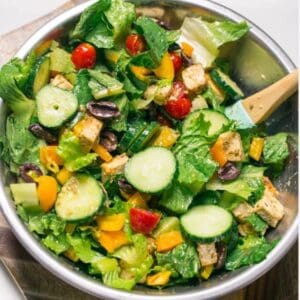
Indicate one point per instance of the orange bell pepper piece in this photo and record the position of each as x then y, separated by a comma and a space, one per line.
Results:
218, 153
47, 192
168, 240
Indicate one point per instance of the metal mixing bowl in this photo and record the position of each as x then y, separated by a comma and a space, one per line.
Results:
257, 61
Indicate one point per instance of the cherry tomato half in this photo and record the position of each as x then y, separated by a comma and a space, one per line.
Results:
84, 56
178, 108
135, 44
177, 61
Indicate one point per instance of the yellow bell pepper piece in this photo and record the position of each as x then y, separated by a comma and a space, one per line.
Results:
256, 148
111, 240
187, 49
166, 138
103, 153
168, 240
63, 175
139, 200
206, 271
166, 68
111, 223
43, 47
160, 278
50, 159
140, 72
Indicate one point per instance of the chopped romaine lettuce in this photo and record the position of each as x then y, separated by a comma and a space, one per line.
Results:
251, 250
206, 37
57, 244
183, 258
244, 186
257, 223
82, 90
70, 150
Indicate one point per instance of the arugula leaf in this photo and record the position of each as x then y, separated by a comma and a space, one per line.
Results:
89, 19
70, 150
258, 224
250, 250
244, 186
157, 42
183, 258
206, 37
176, 198
81, 89
276, 151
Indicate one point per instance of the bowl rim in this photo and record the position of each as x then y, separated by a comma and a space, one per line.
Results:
96, 288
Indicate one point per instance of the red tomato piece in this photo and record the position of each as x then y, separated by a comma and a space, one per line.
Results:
135, 44
143, 220
84, 56
177, 61
178, 108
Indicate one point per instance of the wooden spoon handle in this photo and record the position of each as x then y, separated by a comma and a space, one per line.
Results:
262, 104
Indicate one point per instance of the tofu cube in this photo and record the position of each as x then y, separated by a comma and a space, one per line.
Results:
269, 208
61, 82
88, 131
194, 78
242, 211
232, 145
115, 166
207, 254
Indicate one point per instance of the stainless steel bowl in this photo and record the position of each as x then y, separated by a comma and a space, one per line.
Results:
257, 61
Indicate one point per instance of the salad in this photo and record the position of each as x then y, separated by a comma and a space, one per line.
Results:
125, 162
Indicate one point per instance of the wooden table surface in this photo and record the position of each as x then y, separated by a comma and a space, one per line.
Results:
280, 283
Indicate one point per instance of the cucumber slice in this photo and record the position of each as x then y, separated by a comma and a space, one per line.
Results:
227, 84
144, 138
207, 223
79, 199
39, 75
25, 194
55, 106
133, 132
216, 119
151, 170
165, 225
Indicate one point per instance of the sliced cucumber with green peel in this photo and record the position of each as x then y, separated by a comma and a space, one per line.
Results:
55, 106
207, 223
79, 199
144, 138
133, 132
217, 120
25, 194
39, 75
151, 170
227, 84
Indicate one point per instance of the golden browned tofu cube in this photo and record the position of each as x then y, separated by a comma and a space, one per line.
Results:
207, 254
61, 82
242, 211
88, 131
232, 145
269, 208
194, 77
115, 166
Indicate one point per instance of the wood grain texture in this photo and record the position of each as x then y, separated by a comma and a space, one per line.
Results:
281, 283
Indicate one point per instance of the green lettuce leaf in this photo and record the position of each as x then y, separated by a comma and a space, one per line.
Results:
82, 90
206, 37
251, 250
183, 258
70, 150
157, 42
257, 223
276, 151
58, 244
244, 186
90, 18
45, 224
120, 124
176, 198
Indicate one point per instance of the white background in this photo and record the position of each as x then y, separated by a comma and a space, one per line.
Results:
279, 18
